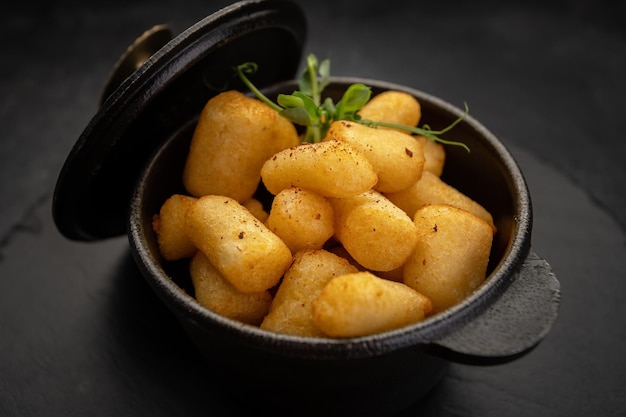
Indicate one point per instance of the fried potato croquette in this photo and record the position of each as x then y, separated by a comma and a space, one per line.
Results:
434, 155
361, 303
291, 311
234, 136
431, 189
301, 218
238, 245
169, 226
330, 169
397, 158
392, 107
376, 233
218, 295
451, 256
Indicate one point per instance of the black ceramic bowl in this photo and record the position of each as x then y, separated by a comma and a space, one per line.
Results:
156, 108
503, 319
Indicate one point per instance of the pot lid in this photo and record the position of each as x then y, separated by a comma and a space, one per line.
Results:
164, 93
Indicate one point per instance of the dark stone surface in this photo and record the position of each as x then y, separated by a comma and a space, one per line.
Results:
82, 334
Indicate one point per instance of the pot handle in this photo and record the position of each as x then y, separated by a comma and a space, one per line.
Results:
135, 56
513, 325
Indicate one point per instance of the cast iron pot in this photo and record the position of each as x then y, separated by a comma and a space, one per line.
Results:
379, 374
373, 375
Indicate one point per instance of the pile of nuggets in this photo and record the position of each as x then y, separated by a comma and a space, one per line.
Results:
362, 236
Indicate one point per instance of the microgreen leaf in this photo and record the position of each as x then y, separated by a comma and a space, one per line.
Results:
297, 115
308, 82
289, 101
329, 105
308, 102
324, 72
355, 97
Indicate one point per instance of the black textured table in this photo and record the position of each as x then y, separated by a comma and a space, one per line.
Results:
82, 334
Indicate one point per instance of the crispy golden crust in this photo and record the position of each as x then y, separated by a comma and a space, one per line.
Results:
291, 311
238, 245
393, 107
431, 189
218, 295
301, 218
397, 158
376, 233
169, 225
330, 168
234, 136
451, 256
361, 303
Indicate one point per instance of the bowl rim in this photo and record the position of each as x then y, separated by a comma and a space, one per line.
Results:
420, 335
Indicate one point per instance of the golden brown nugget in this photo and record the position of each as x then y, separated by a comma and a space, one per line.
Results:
330, 169
238, 245
301, 218
234, 136
451, 256
376, 233
393, 107
361, 303
169, 226
434, 155
291, 312
256, 208
218, 295
431, 189
397, 158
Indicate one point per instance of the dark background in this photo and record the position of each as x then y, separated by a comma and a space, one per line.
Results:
82, 334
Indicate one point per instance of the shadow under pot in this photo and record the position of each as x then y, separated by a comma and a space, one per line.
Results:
384, 373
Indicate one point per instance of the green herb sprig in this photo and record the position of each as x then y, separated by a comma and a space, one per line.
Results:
306, 108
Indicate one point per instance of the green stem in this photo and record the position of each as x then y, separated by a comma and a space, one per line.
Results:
251, 68
426, 132
312, 67
430, 134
